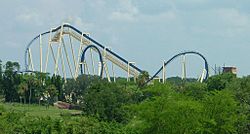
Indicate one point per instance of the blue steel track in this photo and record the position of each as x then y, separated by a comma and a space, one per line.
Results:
100, 58
180, 54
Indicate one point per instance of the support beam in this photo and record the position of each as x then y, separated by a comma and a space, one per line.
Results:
92, 61
106, 71
78, 59
72, 51
31, 60
128, 70
48, 50
99, 69
163, 72
58, 51
41, 53
184, 71
114, 78
63, 66
105, 63
67, 58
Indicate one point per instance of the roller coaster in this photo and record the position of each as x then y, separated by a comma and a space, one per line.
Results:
72, 58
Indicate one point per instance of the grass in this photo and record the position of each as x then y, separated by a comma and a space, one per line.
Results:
36, 110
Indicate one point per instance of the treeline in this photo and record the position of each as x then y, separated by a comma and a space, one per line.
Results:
219, 105
16, 86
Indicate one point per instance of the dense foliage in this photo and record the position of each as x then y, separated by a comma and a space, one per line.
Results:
219, 105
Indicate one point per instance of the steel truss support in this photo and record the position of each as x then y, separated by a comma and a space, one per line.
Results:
56, 36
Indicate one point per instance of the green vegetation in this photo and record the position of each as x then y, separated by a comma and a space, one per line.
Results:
220, 105
37, 111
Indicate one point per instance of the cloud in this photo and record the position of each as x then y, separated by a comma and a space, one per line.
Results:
125, 11
166, 16
29, 17
120, 16
192, 1
231, 22
78, 22
233, 17
12, 44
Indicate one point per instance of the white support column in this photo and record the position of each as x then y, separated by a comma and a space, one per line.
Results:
99, 68
105, 63
134, 75
203, 75
41, 53
92, 61
53, 54
86, 68
128, 77
58, 51
67, 58
106, 71
48, 49
184, 71
63, 66
114, 79
163, 72
31, 60
79, 55
72, 51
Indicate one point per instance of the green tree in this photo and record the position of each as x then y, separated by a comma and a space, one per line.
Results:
51, 93
78, 87
241, 89
11, 81
219, 82
22, 90
142, 78
106, 100
220, 113
58, 82
196, 90
166, 112
1, 78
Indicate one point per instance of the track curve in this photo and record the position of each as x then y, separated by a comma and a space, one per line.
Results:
180, 54
100, 58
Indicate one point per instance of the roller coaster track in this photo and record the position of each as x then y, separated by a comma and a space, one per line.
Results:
89, 42
77, 34
180, 54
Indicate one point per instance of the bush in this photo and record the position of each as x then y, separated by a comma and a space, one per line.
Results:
106, 100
